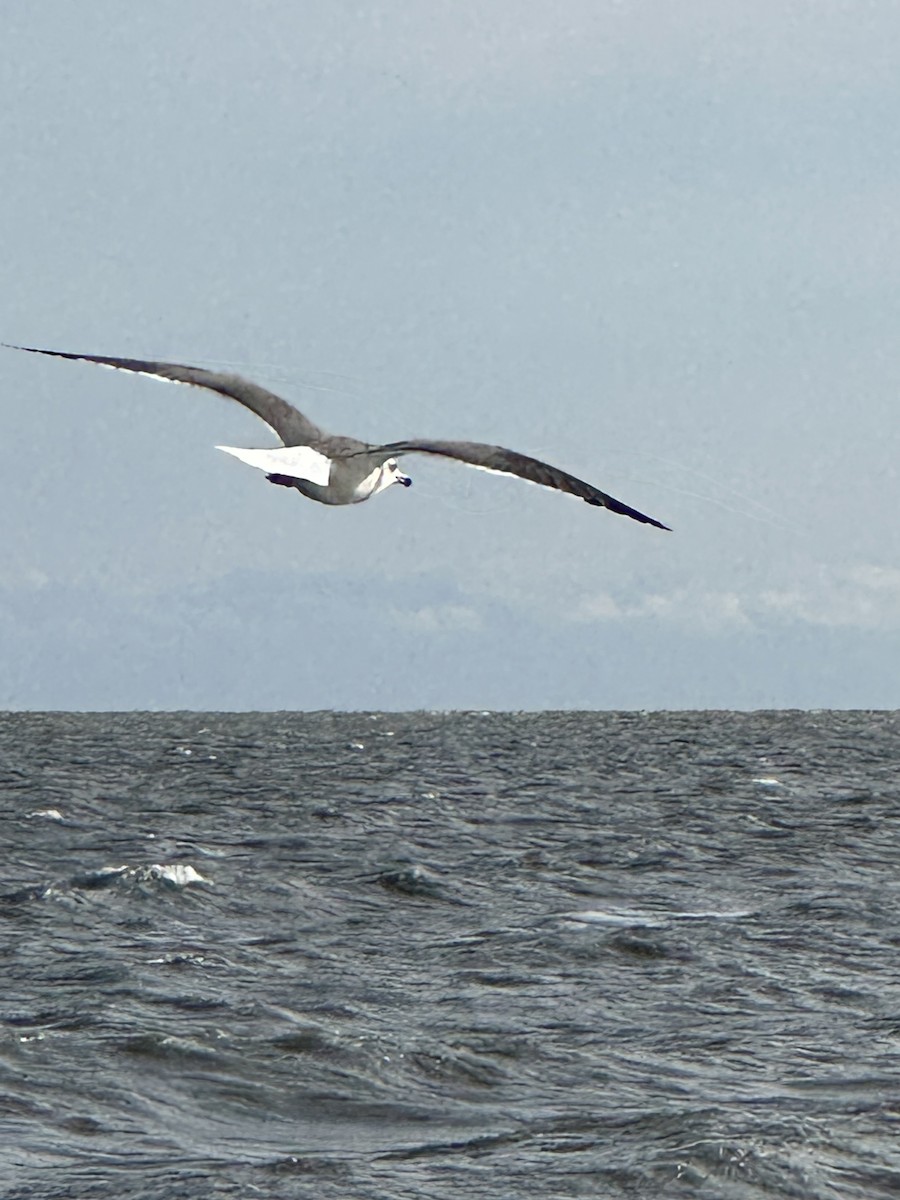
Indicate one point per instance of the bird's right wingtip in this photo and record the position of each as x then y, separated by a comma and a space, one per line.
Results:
34, 350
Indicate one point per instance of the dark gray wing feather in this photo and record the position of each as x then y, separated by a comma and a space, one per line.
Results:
290, 425
509, 462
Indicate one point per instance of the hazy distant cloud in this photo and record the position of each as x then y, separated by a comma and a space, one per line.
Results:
863, 597
439, 618
866, 596
702, 610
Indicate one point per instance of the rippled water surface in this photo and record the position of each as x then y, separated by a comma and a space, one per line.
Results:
539, 955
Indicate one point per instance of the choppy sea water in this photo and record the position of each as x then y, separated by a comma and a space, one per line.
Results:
535, 955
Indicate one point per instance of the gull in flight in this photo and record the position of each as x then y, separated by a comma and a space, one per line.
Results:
343, 470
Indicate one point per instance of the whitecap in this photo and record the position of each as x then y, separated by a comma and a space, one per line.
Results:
179, 874
649, 920
602, 916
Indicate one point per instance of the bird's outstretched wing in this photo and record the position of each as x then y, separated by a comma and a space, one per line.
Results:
508, 462
287, 422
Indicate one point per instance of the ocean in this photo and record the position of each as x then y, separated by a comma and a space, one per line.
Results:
625, 955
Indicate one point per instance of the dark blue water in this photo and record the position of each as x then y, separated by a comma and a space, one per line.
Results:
548, 955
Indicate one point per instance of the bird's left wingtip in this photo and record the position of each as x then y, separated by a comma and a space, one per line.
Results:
624, 510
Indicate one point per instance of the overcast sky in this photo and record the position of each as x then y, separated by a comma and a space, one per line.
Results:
657, 244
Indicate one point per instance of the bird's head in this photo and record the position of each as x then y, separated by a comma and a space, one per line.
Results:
393, 474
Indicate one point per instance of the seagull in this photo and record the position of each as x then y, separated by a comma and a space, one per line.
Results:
343, 470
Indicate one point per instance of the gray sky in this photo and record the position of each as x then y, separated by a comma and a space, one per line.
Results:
657, 244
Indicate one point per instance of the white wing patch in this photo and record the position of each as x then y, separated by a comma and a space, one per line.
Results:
300, 462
